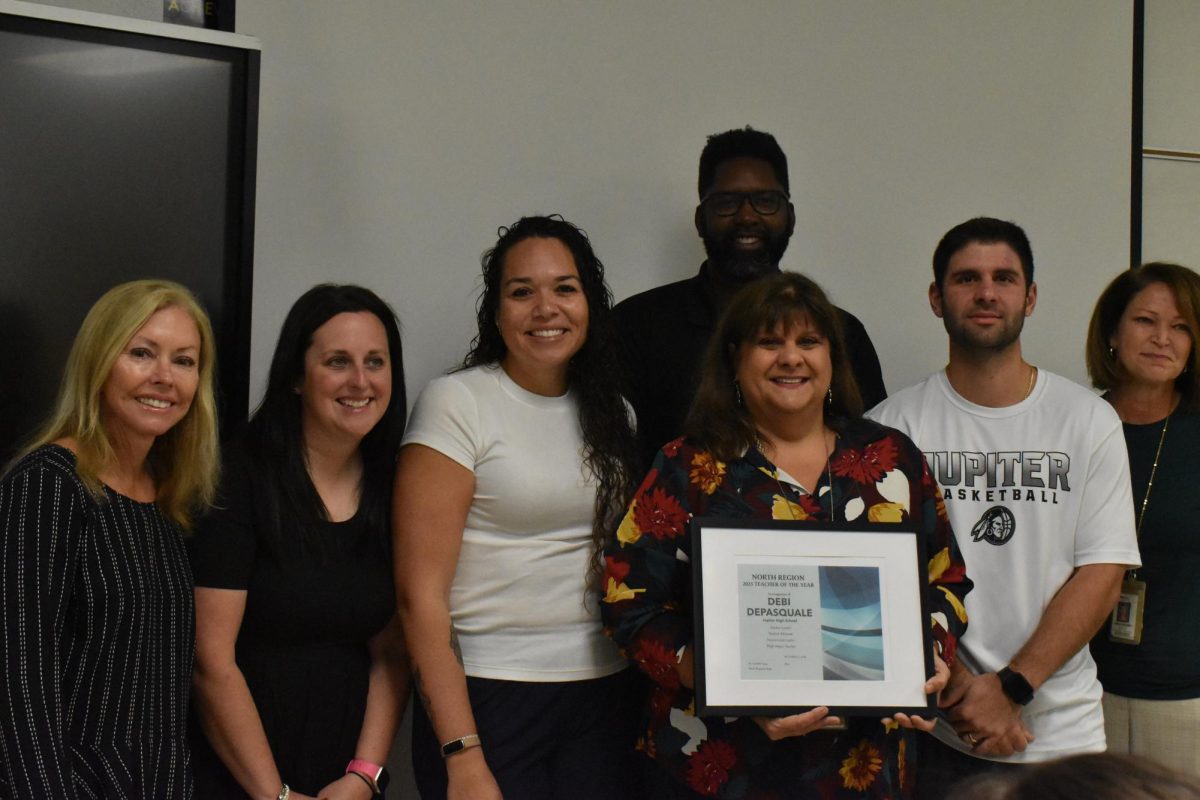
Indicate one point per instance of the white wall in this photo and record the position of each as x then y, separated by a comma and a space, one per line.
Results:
396, 136
1171, 187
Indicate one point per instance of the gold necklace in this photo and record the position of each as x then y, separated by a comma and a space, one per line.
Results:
762, 448
1162, 437
1032, 378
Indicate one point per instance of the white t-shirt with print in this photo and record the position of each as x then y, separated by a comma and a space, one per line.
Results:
1033, 490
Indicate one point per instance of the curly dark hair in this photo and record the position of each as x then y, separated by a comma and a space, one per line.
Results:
610, 447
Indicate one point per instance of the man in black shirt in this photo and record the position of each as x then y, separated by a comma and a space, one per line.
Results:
745, 218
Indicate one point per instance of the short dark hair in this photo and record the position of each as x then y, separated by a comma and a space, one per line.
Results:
718, 422
982, 230
741, 143
1103, 368
275, 432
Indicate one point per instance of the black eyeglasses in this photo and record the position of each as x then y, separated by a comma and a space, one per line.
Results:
726, 204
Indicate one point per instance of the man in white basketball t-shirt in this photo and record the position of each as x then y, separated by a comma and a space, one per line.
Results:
1035, 476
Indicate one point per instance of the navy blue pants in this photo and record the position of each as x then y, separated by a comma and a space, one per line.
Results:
547, 741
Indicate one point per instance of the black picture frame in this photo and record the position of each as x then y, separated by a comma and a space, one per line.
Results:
721, 546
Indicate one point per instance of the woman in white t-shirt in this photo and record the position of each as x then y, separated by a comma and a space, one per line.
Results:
512, 471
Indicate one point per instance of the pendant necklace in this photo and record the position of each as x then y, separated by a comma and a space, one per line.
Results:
762, 447
1125, 625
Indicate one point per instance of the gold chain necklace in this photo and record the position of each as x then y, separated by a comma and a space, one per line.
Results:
762, 447
1162, 437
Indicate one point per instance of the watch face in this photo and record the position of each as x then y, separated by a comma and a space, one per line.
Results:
1016, 687
381, 780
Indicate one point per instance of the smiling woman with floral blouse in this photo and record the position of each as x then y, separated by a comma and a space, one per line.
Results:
777, 411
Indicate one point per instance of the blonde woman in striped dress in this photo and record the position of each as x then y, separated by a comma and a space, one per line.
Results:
96, 590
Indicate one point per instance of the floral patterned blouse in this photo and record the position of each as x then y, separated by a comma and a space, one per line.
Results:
878, 475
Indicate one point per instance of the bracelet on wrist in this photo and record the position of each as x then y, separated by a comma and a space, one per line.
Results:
375, 776
462, 743
366, 780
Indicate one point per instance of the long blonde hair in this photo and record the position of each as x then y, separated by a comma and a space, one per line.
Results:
185, 460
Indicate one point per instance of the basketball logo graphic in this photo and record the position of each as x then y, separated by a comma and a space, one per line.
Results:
996, 526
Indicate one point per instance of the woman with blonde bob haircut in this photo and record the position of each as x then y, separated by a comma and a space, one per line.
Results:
1142, 350
98, 631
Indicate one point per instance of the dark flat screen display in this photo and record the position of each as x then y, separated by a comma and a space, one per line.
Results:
122, 156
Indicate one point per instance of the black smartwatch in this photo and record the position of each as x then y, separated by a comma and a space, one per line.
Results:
1014, 686
381, 780
373, 775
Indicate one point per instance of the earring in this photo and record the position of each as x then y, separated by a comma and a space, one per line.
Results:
1112, 352
737, 389
829, 396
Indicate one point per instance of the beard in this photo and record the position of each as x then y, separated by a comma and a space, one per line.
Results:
742, 266
998, 338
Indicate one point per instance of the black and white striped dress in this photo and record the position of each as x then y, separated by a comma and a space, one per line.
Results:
97, 641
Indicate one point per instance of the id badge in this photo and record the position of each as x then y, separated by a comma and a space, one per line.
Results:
1125, 626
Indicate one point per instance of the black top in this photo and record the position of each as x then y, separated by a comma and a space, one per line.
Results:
302, 646
97, 640
1166, 665
662, 334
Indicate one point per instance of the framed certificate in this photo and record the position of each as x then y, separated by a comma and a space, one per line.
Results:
792, 615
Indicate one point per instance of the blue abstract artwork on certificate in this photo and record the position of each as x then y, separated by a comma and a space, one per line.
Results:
851, 623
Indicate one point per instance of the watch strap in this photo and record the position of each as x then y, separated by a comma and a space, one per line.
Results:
375, 775
1015, 686
364, 779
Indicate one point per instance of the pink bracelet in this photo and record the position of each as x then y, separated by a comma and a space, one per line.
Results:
371, 772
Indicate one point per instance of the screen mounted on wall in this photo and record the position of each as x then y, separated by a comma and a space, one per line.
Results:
127, 150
